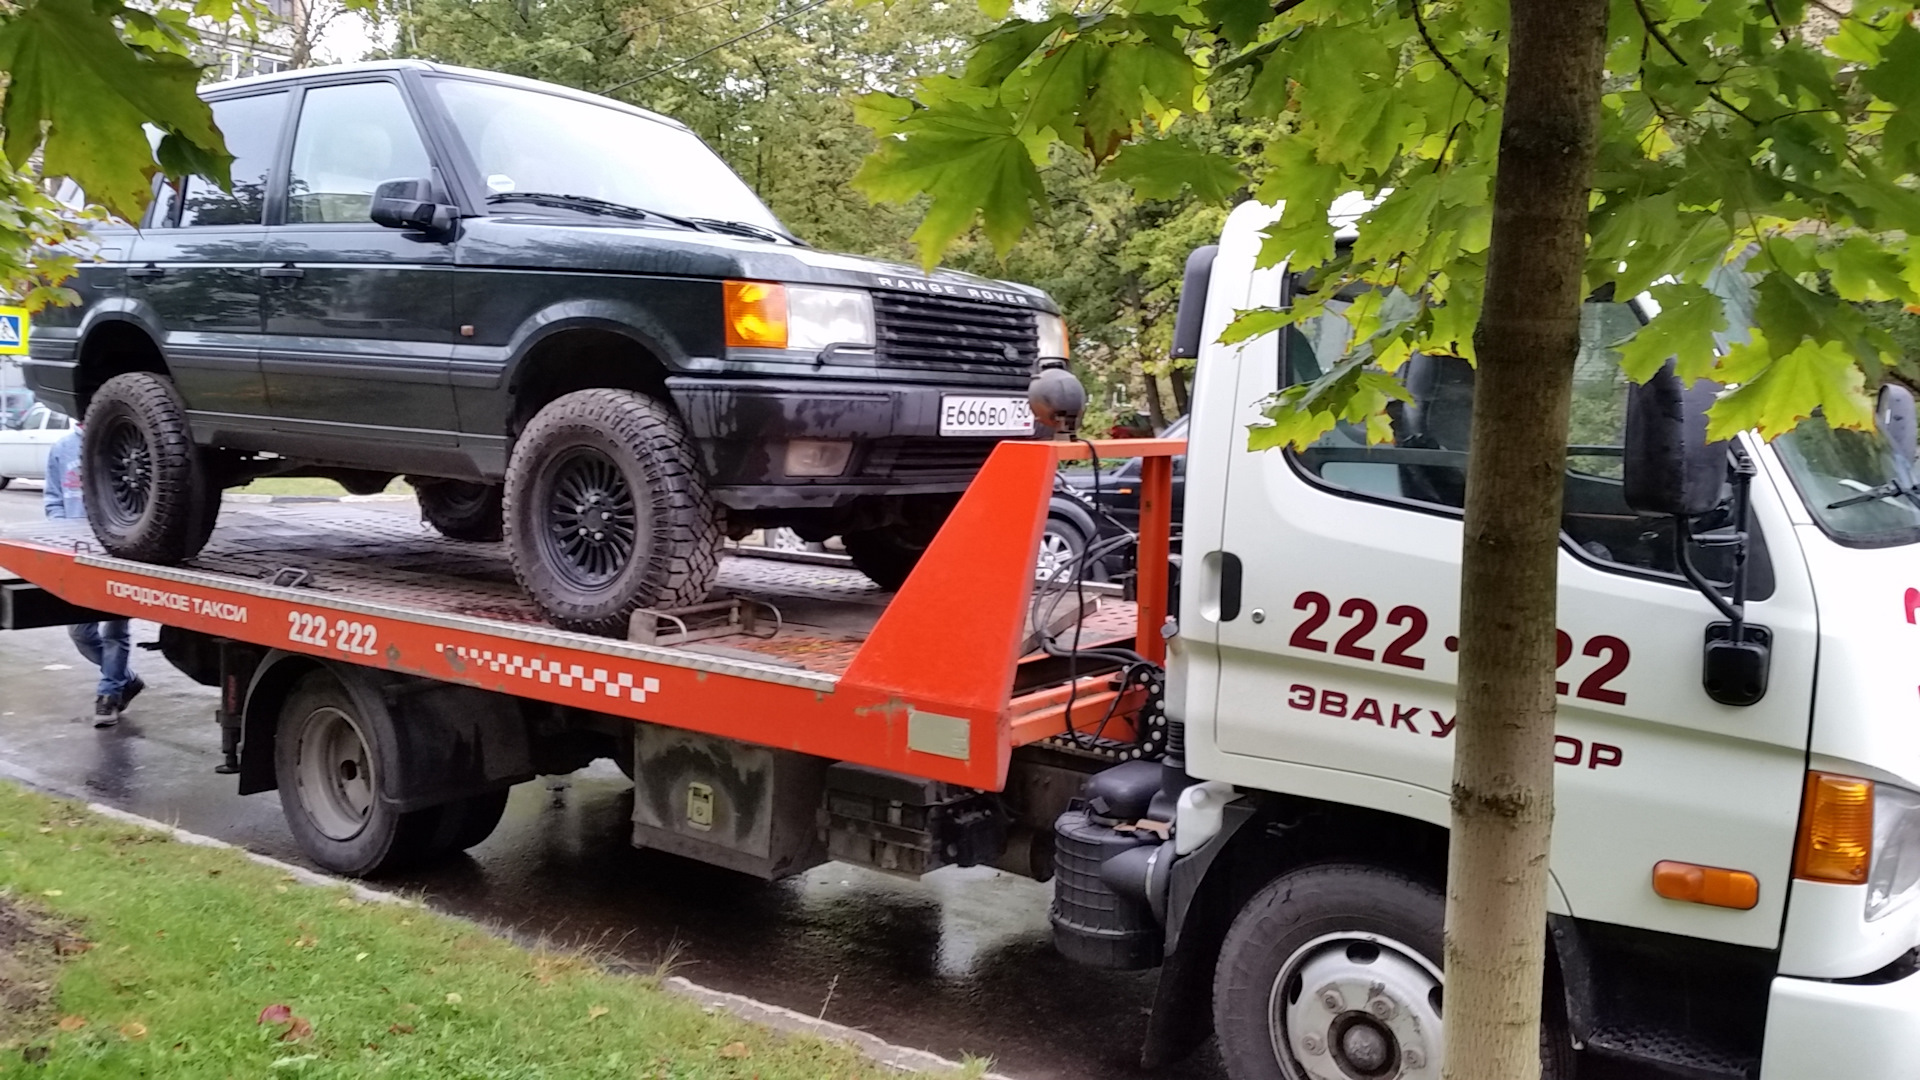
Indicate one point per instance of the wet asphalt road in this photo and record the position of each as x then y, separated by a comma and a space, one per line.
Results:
956, 963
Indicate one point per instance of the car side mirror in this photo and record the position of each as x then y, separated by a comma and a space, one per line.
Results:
1193, 303
1669, 466
411, 204
1893, 413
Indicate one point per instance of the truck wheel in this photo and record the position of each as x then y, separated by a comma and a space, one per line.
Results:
1308, 958
606, 511
327, 761
460, 510
147, 490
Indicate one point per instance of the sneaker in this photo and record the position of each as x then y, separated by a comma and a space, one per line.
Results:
131, 691
106, 712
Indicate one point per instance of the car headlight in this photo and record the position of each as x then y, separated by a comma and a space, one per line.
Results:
764, 315
1896, 850
1053, 335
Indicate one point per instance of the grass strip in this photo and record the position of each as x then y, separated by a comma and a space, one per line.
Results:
195, 962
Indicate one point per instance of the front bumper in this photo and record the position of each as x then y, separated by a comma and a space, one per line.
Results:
742, 427
1819, 1030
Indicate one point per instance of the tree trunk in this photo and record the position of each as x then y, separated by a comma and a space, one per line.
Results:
1525, 344
1177, 378
1156, 412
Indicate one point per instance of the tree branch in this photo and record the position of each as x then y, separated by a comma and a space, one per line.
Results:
1420, 21
1653, 31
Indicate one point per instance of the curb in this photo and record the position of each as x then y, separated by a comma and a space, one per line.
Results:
281, 500
779, 1017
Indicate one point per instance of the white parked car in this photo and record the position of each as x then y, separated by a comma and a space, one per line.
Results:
23, 450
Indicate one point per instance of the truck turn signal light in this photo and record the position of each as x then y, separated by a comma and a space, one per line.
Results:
756, 314
1708, 885
1836, 830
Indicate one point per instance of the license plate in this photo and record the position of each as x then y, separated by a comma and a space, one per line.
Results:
985, 415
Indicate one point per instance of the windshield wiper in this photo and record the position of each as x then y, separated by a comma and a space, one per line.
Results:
747, 228
588, 204
1884, 491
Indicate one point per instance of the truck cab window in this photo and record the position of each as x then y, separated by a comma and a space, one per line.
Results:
1424, 463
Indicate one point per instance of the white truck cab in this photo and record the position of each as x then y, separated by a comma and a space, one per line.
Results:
1736, 849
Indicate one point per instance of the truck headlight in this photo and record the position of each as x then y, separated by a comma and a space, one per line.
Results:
1053, 335
1896, 850
764, 315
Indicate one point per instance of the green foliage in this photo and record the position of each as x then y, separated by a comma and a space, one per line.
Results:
83, 77
1732, 129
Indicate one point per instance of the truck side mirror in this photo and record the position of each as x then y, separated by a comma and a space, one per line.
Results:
411, 204
1193, 303
1893, 413
1670, 467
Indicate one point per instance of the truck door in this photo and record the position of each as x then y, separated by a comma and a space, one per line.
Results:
1336, 674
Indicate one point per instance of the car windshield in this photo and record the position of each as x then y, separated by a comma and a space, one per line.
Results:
1829, 465
524, 140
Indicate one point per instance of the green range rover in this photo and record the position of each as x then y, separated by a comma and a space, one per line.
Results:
563, 319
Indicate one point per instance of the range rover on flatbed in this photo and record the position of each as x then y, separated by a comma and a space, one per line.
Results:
562, 318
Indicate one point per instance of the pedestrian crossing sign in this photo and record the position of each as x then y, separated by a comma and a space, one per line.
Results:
13, 331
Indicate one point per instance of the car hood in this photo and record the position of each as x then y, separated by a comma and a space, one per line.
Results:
544, 243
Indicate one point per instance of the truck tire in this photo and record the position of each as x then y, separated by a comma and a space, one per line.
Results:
606, 511
460, 510
148, 494
1363, 933
326, 758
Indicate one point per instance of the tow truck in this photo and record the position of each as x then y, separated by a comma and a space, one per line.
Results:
1236, 769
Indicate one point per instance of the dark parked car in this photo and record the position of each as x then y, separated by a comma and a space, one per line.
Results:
562, 318
1083, 513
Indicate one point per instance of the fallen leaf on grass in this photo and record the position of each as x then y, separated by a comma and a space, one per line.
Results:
736, 1050
305, 941
299, 1029
275, 1014
361, 956
453, 999
399, 1029
53, 892
131, 1030
72, 1023
595, 1012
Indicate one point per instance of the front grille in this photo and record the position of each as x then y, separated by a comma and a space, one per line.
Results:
926, 459
947, 331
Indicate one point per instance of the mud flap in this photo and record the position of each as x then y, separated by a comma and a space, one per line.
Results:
1199, 910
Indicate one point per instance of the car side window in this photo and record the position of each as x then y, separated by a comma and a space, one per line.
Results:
350, 139
1424, 462
252, 126
58, 421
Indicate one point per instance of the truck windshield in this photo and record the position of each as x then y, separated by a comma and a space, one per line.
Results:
1831, 466
1828, 465
530, 141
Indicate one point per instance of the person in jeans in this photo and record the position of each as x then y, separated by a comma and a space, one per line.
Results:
105, 644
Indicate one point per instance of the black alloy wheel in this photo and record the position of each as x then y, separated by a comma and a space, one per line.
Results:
129, 465
592, 519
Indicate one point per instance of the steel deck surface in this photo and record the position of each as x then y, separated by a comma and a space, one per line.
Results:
377, 557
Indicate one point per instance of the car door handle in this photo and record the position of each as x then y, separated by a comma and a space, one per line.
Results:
148, 271
282, 272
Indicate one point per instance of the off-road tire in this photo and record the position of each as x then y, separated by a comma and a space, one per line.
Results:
676, 539
460, 509
1335, 898
389, 840
165, 512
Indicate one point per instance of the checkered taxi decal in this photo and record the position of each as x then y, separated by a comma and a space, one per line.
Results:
594, 681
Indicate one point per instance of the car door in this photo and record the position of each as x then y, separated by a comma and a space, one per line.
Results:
195, 272
23, 452
359, 317
1337, 671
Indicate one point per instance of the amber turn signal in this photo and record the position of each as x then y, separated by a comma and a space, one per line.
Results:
1708, 885
1836, 830
756, 314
